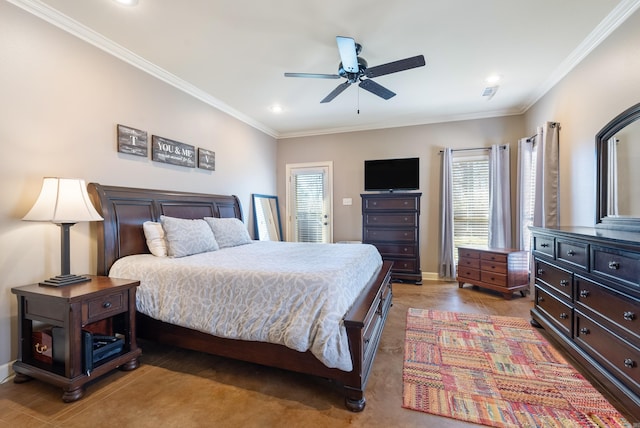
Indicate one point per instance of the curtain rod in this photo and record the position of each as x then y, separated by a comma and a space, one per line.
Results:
530, 139
503, 146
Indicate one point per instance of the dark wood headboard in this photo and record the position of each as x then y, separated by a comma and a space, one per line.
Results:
124, 209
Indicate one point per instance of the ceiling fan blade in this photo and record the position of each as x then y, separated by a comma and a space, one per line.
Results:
337, 91
348, 54
313, 75
377, 89
395, 66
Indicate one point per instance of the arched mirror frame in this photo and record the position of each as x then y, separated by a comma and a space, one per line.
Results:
612, 128
273, 217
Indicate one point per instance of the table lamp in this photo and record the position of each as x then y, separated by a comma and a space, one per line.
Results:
65, 202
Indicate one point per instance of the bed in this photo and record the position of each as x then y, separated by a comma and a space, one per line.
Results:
121, 234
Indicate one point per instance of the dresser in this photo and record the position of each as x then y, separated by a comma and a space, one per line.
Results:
391, 222
500, 269
587, 297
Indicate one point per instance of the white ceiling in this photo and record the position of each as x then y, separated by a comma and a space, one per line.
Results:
232, 53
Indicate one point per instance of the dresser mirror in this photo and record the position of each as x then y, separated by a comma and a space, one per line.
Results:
618, 172
266, 215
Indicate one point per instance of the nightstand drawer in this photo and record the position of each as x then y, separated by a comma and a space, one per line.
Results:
105, 306
45, 310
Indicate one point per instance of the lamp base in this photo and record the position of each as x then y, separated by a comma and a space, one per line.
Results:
62, 280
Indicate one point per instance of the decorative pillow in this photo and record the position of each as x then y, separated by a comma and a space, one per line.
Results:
154, 233
229, 232
186, 237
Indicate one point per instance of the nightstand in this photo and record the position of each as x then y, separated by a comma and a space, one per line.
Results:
103, 306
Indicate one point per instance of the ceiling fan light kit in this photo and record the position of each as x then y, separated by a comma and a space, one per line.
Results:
355, 69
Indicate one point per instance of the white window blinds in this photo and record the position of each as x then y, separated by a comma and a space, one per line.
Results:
308, 191
470, 200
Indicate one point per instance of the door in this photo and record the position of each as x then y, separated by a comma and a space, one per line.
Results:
309, 196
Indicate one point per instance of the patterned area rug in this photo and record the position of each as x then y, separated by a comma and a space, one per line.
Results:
496, 371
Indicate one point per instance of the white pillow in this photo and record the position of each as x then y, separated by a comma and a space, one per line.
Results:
229, 232
186, 237
154, 233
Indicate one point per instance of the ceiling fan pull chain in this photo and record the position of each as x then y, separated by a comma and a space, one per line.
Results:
358, 99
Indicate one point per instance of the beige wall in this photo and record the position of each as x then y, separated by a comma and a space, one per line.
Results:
60, 102
603, 85
348, 152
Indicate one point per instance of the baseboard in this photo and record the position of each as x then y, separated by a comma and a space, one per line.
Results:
434, 276
6, 374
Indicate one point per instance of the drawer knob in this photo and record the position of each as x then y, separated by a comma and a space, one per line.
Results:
540, 271
405, 249
540, 299
41, 349
584, 293
571, 253
106, 305
614, 265
564, 283
564, 316
629, 363
629, 316
544, 245
584, 330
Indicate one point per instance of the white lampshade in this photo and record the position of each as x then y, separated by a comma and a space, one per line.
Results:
63, 200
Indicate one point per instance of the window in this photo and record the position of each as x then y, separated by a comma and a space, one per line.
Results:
470, 200
528, 190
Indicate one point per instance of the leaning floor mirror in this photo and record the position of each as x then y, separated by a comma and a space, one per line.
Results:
266, 214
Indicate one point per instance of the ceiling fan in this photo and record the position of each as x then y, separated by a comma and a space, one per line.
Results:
355, 69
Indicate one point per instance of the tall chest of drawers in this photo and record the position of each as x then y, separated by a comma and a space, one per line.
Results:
391, 222
587, 296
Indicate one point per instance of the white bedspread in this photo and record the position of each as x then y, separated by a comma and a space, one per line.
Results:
293, 294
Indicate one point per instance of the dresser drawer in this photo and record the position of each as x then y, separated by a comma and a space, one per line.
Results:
391, 219
382, 234
575, 253
490, 266
403, 265
466, 273
620, 266
397, 250
613, 306
104, 306
544, 244
405, 203
469, 263
557, 311
617, 355
494, 278
555, 277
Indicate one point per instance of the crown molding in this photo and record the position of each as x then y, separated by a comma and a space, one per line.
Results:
52, 16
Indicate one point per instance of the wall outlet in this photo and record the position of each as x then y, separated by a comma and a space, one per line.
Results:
347, 201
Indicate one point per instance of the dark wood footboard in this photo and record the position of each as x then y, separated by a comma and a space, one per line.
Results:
126, 209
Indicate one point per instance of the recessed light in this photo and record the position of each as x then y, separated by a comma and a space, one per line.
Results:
492, 79
276, 108
127, 2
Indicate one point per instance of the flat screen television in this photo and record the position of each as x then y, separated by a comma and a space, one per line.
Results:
392, 174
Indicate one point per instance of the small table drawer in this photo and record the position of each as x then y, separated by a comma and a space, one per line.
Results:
494, 257
620, 266
494, 278
544, 244
609, 304
104, 306
469, 263
575, 253
466, 273
490, 266
559, 279
559, 312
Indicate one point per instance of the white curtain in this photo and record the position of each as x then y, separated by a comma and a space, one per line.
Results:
499, 197
547, 207
612, 177
447, 263
524, 191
